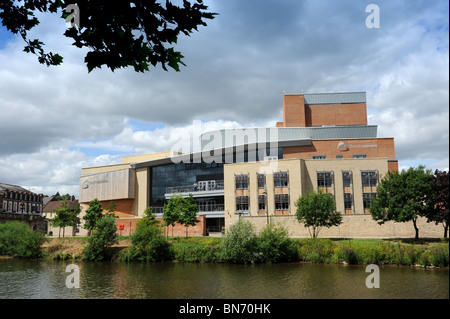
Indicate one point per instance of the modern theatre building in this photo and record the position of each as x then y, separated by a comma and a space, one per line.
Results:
323, 143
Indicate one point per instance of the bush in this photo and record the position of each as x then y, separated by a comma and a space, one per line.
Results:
241, 244
318, 250
345, 253
147, 244
17, 239
439, 256
275, 245
100, 242
197, 250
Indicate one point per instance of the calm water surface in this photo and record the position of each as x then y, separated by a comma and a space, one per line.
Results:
44, 279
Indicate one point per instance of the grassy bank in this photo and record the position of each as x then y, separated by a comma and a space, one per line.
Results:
424, 253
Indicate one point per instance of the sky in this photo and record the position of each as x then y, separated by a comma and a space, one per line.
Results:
56, 120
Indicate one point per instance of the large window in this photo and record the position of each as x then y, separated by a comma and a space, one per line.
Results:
348, 201
347, 178
182, 174
261, 202
367, 199
242, 203
324, 179
369, 178
261, 180
281, 202
241, 181
281, 179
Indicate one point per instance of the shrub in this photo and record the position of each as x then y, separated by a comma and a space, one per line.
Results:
439, 256
194, 250
275, 245
241, 244
17, 239
317, 250
100, 242
148, 244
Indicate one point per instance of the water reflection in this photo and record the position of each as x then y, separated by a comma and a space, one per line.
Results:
43, 279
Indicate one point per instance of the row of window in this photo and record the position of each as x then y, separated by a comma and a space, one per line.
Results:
280, 179
324, 179
367, 199
13, 206
339, 156
368, 178
22, 196
281, 202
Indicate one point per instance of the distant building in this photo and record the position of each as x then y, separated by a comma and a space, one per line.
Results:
18, 203
48, 213
18, 200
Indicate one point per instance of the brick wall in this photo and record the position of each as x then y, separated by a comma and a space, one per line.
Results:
129, 226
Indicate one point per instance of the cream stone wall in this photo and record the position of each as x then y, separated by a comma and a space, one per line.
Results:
303, 178
354, 226
142, 191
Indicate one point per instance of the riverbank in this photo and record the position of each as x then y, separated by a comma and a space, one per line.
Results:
407, 252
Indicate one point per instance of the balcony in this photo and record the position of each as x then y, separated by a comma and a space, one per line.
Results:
200, 189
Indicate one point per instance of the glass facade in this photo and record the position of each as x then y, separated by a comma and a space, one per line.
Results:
189, 174
182, 174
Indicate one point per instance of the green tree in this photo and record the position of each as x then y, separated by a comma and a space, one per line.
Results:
403, 197
316, 210
17, 239
148, 244
172, 211
66, 215
189, 210
438, 209
112, 208
117, 34
240, 244
275, 245
101, 240
93, 214
148, 219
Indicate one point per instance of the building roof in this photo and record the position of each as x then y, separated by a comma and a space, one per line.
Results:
282, 135
14, 188
51, 205
335, 98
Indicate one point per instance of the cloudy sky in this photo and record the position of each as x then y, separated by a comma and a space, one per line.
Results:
54, 121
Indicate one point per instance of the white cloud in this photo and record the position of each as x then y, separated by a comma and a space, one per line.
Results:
54, 121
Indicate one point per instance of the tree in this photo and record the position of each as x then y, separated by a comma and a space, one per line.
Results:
117, 34
66, 215
317, 210
438, 210
403, 197
112, 208
104, 236
172, 211
189, 210
93, 214
148, 219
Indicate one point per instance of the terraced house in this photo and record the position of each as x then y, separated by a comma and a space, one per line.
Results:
323, 143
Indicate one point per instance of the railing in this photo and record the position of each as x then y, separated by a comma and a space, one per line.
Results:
201, 208
210, 207
200, 187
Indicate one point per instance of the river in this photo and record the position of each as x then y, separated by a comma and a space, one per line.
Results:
30, 279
